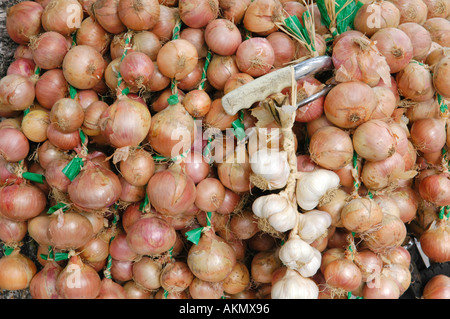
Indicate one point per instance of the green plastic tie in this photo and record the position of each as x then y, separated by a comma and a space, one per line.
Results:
72, 92
34, 177
442, 105
173, 99
27, 110
73, 168
144, 204
194, 235
442, 212
8, 250
345, 15
295, 27
238, 127
63, 206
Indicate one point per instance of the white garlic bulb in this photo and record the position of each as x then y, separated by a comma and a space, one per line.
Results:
295, 252
278, 210
313, 225
294, 286
272, 166
311, 268
312, 186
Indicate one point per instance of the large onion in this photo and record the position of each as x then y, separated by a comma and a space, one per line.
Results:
16, 271
23, 20
139, 15
62, 16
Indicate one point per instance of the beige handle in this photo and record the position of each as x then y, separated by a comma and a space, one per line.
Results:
257, 90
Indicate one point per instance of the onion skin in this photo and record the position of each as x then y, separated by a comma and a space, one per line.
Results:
261, 15
64, 17
389, 16
177, 58
434, 242
255, 56
222, 37
440, 77
386, 288
139, 15
176, 277
197, 14
107, 15
14, 145
49, 50
110, 289
146, 273
16, 271
343, 273
151, 236
212, 259
12, 232
51, 87
17, 92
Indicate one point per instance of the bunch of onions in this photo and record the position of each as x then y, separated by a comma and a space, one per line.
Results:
415, 82
23, 21
388, 16
261, 16
197, 14
83, 67
95, 188
255, 56
87, 285
357, 58
151, 235
17, 92
331, 148
49, 50
125, 123
172, 131
139, 15
16, 271
212, 259
350, 110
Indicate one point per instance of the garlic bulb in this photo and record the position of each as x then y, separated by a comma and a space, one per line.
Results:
271, 167
313, 225
278, 210
312, 186
294, 286
295, 252
311, 268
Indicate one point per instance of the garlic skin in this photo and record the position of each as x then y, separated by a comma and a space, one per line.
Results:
313, 225
278, 211
294, 286
311, 186
272, 165
311, 268
295, 253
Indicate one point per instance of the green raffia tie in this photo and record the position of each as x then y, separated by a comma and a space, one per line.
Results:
7, 250
74, 167
297, 29
355, 166
238, 127
205, 69
34, 177
54, 256
145, 203
60, 206
195, 234
345, 11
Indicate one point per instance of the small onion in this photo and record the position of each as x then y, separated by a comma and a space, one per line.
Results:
197, 37
147, 42
220, 69
14, 145
51, 87
383, 288
17, 92
261, 15
176, 277
22, 66
361, 215
440, 74
146, 273
138, 168
43, 284
420, 39
387, 16
202, 289
437, 287
390, 234
412, 10
428, 135
69, 230
415, 82
343, 274
12, 232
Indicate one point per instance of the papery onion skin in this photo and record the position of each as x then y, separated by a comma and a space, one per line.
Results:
361, 214
31, 14
17, 92
261, 15
176, 276
106, 13
384, 288
428, 135
415, 82
21, 202
255, 56
139, 15
146, 273
51, 87
440, 77
64, 17
43, 284
197, 14
222, 37
177, 58
434, 242
420, 39
387, 13
14, 145
343, 273
49, 50
12, 232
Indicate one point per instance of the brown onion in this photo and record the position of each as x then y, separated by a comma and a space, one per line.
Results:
95, 188
43, 284
331, 148
202, 289
138, 15
22, 66
437, 8
16, 271
238, 280
177, 58
415, 82
374, 140
350, 110
17, 92
69, 230
383, 288
92, 33
255, 56
12, 232
146, 273
64, 17
49, 50
210, 194
23, 21
439, 29
220, 69
147, 42
343, 274
283, 47
138, 168
171, 191
235, 174
369, 263
197, 14
428, 135
217, 117
133, 291
261, 16
166, 23
386, 105
197, 102
411, 10
400, 274
122, 270
78, 281
172, 131
420, 39
67, 115
136, 69
14, 145
51, 87
176, 276
376, 15
21, 201
233, 10
196, 36
107, 15
244, 225
236, 80
361, 215
151, 236
441, 72
83, 67
437, 287
212, 259
263, 266
222, 37
110, 289
390, 234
